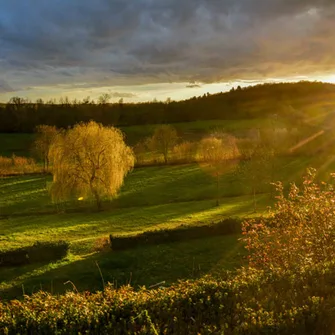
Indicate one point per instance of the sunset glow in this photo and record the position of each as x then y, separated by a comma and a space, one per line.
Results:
145, 50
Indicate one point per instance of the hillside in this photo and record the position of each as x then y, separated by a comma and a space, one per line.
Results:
294, 103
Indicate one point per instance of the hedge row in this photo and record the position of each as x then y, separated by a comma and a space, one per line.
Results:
38, 252
251, 302
181, 233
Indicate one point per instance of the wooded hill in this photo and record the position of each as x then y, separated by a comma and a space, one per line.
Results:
296, 103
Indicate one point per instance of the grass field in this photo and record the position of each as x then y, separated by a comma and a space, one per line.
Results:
196, 129
142, 266
18, 144
152, 198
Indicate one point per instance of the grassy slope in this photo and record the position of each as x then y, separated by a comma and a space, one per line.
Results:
152, 197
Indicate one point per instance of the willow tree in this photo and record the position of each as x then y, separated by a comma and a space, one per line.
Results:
89, 161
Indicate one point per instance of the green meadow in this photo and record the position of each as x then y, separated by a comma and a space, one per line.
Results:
151, 198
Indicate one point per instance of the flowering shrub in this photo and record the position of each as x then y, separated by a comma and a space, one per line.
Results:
300, 231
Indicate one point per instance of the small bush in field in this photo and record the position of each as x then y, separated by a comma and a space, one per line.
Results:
101, 244
38, 252
184, 152
17, 165
299, 232
5, 165
182, 233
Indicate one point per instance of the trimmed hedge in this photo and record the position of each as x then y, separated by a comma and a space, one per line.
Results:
38, 252
14, 257
250, 302
181, 233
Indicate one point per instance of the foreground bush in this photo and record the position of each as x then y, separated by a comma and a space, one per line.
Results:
299, 232
38, 252
250, 302
181, 233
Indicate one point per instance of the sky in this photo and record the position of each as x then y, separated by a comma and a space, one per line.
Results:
141, 50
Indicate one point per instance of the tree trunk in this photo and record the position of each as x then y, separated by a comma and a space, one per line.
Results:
44, 164
165, 157
217, 189
97, 200
96, 197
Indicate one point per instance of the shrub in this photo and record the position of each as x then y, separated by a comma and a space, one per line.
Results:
184, 152
101, 244
181, 233
300, 231
38, 252
17, 165
248, 302
47, 251
14, 257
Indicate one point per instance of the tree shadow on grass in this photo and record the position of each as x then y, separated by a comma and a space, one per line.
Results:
78, 227
166, 184
24, 194
130, 219
144, 187
141, 266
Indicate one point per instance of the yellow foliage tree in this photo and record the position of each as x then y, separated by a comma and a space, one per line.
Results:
89, 160
45, 135
163, 140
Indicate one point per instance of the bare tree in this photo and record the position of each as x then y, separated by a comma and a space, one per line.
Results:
219, 153
104, 98
89, 160
17, 102
44, 136
163, 140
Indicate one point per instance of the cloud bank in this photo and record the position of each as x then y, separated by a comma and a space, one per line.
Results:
82, 44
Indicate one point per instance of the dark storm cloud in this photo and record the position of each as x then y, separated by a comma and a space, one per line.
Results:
145, 41
122, 95
193, 85
4, 87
